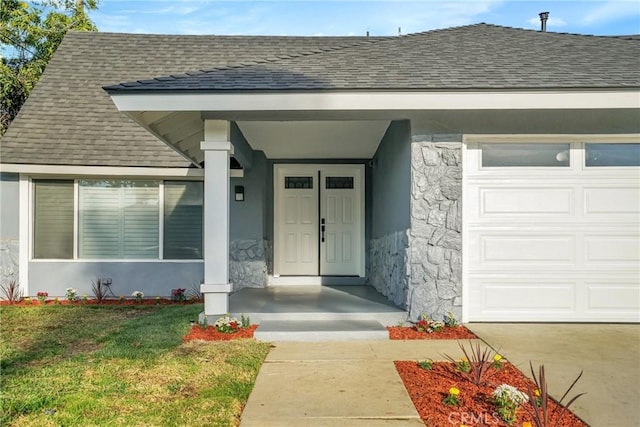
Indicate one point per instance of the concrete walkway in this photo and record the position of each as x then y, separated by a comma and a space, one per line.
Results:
337, 384
356, 384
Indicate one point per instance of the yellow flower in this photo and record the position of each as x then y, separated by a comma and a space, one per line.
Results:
454, 391
537, 392
526, 424
464, 359
497, 358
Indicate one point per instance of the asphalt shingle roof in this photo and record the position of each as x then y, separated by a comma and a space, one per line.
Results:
472, 57
70, 120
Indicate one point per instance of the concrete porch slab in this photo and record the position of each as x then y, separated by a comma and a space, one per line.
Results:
314, 302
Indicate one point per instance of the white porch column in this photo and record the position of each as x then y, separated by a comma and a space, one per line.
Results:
217, 148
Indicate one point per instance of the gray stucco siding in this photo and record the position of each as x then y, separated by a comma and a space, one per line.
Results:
247, 218
152, 278
387, 247
9, 226
391, 181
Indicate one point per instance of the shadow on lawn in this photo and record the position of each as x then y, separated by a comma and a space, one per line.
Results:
37, 334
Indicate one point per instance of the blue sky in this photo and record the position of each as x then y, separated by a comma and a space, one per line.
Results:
380, 17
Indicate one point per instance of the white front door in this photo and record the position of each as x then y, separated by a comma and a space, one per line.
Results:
319, 220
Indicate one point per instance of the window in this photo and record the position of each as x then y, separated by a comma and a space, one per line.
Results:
338, 182
118, 219
183, 220
612, 155
298, 182
53, 220
525, 155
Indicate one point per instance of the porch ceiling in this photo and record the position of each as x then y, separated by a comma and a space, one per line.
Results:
306, 139
315, 139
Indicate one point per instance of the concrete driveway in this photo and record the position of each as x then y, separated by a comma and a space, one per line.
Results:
609, 354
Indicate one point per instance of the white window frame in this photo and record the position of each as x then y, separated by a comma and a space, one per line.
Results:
27, 203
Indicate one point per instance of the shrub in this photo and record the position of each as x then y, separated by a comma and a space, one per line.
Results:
539, 402
100, 288
508, 399
11, 292
479, 363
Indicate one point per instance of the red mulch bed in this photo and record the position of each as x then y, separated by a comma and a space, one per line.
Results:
146, 301
411, 333
210, 333
427, 389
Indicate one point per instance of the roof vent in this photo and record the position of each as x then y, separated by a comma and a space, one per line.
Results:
544, 16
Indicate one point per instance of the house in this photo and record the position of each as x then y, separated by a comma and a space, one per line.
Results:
484, 170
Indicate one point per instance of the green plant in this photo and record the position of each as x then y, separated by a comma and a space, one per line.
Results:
227, 324
463, 365
427, 364
85, 298
42, 297
27, 300
539, 408
450, 320
425, 324
508, 399
245, 322
497, 361
11, 291
70, 294
157, 300
138, 295
480, 363
178, 294
452, 398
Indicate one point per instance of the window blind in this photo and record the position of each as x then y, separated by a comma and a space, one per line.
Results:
183, 213
118, 219
53, 219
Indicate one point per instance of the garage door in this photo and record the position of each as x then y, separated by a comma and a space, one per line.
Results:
552, 231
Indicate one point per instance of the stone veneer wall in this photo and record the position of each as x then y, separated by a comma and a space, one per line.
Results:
248, 263
387, 267
435, 237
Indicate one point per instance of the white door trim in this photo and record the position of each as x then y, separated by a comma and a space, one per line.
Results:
281, 169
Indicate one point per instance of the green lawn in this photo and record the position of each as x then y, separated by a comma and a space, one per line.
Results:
119, 365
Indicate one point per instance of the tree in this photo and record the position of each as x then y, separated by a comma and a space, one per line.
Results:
30, 33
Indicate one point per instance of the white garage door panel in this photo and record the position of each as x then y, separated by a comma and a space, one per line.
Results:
614, 297
529, 296
551, 244
526, 201
619, 250
611, 201
527, 249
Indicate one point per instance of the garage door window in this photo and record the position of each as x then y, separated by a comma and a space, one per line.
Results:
525, 155
598, 155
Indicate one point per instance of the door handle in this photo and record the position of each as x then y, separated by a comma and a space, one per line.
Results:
322, 230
